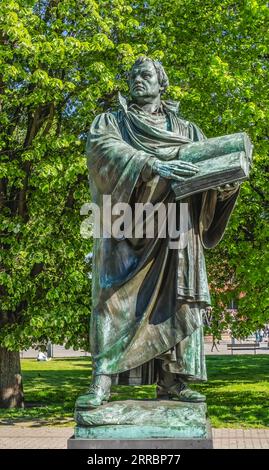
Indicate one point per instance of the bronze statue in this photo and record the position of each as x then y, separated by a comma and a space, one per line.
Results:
148, 299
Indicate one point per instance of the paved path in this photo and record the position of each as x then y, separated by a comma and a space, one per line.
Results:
223, 350
43, 437
241, 438
60, 351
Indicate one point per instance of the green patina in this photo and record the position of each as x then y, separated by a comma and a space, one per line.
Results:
149, 299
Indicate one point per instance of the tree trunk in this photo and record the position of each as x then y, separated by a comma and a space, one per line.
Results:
11, 389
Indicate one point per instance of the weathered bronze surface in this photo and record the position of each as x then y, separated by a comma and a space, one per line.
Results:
221, 160
143, 420
148, 299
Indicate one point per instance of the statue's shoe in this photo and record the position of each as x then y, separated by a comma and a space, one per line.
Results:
98, 394
180, 392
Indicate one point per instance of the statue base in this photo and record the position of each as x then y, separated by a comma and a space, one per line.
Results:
143, 424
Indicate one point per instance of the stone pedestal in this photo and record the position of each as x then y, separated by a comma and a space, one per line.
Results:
140, 424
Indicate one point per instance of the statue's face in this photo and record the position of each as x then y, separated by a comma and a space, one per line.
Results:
143, 82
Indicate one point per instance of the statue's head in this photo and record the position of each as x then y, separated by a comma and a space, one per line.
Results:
147, 79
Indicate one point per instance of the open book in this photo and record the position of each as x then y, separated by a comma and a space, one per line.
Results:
221, 160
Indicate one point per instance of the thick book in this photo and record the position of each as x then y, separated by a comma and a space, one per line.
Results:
221, 160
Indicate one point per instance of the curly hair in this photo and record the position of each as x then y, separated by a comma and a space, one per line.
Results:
162, 77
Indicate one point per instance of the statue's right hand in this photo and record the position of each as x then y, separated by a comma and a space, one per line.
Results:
174, 169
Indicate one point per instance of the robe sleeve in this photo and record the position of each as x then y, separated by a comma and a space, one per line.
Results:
114, 165
214, 213
214, 217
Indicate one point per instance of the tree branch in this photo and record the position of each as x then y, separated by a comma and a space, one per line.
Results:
51, 4
257, 190
3, 192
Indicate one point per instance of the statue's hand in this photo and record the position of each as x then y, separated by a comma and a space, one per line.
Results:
174, 169
227, 190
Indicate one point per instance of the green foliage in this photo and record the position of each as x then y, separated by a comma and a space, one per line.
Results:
62, 62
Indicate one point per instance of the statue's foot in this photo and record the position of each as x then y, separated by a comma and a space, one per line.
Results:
180, 392
98, 394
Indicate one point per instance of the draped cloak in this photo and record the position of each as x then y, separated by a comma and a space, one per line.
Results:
146, 297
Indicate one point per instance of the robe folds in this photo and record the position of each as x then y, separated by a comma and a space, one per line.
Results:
148, 299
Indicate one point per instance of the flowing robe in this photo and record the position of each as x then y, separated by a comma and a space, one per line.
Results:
148, 299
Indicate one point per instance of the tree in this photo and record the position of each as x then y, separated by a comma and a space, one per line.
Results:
62, 62
217, 59
57, 62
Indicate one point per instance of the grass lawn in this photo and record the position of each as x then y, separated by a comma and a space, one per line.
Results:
237, 391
